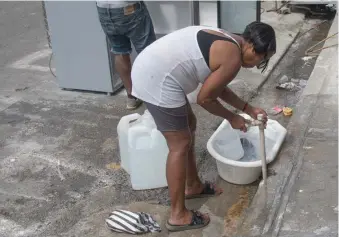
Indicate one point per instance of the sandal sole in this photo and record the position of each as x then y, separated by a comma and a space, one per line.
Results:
201, 196
174, 228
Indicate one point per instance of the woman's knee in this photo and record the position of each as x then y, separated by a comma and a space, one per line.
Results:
179, 141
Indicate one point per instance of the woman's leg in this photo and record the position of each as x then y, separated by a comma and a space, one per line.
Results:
193, 182
174, 125
178, 145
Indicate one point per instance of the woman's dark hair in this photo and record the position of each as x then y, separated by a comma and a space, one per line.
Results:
262, 36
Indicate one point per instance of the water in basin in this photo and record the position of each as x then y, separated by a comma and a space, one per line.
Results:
251, 148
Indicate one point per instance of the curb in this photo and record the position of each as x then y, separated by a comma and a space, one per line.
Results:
265, 216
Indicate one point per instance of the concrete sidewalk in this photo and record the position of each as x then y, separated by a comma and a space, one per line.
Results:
303, 196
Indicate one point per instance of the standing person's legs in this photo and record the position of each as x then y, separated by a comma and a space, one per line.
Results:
120, 28
140, 31
142, 34
121, 48
122, 63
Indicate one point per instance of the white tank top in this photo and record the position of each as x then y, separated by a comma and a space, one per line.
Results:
170, 68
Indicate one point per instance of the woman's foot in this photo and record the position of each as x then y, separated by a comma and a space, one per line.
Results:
132, 102
187, 220
200, 190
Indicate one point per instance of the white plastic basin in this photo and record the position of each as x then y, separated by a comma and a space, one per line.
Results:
246, 171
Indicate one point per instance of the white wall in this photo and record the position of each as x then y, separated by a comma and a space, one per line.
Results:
208, 13
235, 15
168, 16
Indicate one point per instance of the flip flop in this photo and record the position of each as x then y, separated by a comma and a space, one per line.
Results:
197, 222
208, 191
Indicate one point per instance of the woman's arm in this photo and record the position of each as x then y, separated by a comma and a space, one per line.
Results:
232, 99
227, 62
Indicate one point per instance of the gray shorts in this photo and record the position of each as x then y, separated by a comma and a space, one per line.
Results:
170, 119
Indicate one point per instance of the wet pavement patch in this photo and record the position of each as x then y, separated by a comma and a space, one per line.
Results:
236, 210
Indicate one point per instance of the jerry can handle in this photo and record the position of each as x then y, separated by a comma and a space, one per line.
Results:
124, 121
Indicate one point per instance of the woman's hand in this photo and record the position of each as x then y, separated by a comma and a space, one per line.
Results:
239, 122
253, 112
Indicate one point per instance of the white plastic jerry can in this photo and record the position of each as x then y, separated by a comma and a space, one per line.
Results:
148, 155
122, 129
